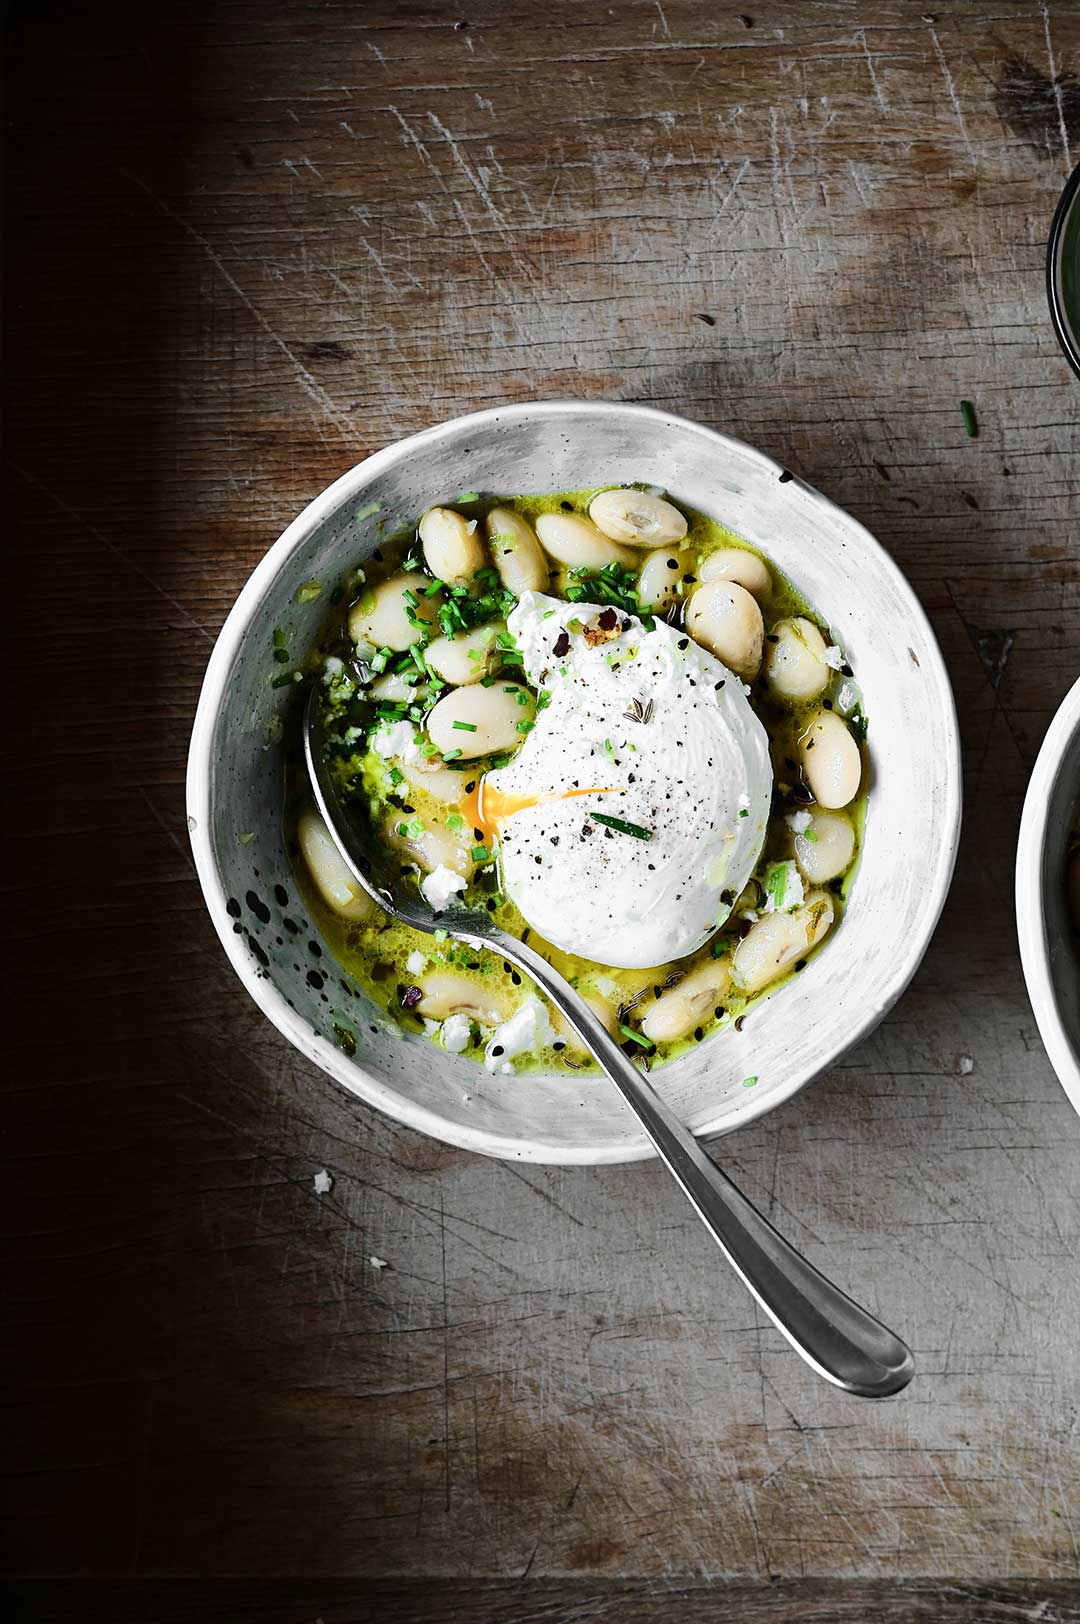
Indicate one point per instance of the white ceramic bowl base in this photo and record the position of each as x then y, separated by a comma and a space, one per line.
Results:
234, 781
1046, 942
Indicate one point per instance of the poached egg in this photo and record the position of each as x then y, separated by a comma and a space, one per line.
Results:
649, 729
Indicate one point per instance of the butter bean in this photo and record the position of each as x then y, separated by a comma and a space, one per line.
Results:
448, 994
432, 848
465, 658
724, 618
516, 553
794, 665
825, 847
637, 518
739, 565
380, 615
453, 550
576, 543
478, 720
332, 876
778, 941
660, 576
689, 1003
830, 759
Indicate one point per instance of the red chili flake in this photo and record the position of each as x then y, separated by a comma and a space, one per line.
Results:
411, 997
562, 645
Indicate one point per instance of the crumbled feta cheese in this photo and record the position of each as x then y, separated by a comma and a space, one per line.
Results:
439, 886
833, 657
783, 887
323, 1182
416, 963
799, 822
396, 740
456, 1032
847, 700
529, 1028
609, 989
965, 1065
378, 1262
333, 666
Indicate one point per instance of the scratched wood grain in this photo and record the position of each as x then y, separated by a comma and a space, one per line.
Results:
247, 245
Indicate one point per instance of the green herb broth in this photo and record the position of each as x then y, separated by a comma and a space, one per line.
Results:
373, 955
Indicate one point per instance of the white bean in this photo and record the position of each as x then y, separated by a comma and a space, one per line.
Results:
516, 553
434, 779
564, 1032
577, 543
778, 941
659, 579
689, 1003
453, 550
725, 619
392, 686
794, 665
433, 847
448, 994
831, 763
464, 658
825, 847
381, 614
637, 518
488, 719
334, 880
739, 565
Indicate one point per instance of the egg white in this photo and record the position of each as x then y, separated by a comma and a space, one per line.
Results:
697, 774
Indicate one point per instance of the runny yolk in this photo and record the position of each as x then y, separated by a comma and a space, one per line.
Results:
487, 807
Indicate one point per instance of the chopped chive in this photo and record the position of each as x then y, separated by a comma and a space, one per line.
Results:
451, 755
971, 427
468, 496
367, 511
635, 1037
748, 1082
308, 592
465, 727
279, 636
417, 656
524, 727
479, 854
454, 821
410, 597
744, 812
285, 677
247, 837
395, 775
622, 826
429, 750
718, 947
430, 591
281, 655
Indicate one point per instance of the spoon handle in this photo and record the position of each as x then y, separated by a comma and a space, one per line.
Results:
837, 1338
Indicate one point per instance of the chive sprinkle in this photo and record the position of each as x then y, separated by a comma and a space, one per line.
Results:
635, 1037
971, 426
622, 826
465, 727
479, 854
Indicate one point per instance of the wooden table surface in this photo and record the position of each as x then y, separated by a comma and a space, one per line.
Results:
247, 245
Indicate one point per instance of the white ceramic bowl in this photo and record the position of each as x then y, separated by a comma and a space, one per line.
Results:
234, 782
1046, 950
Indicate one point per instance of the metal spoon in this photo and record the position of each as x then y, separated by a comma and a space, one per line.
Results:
837, 1338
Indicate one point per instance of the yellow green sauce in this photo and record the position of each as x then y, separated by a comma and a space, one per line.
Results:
374, 956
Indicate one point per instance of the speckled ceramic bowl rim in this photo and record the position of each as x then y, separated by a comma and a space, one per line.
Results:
324, 1053
1031, 896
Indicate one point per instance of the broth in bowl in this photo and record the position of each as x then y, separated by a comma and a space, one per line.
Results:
605, 719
